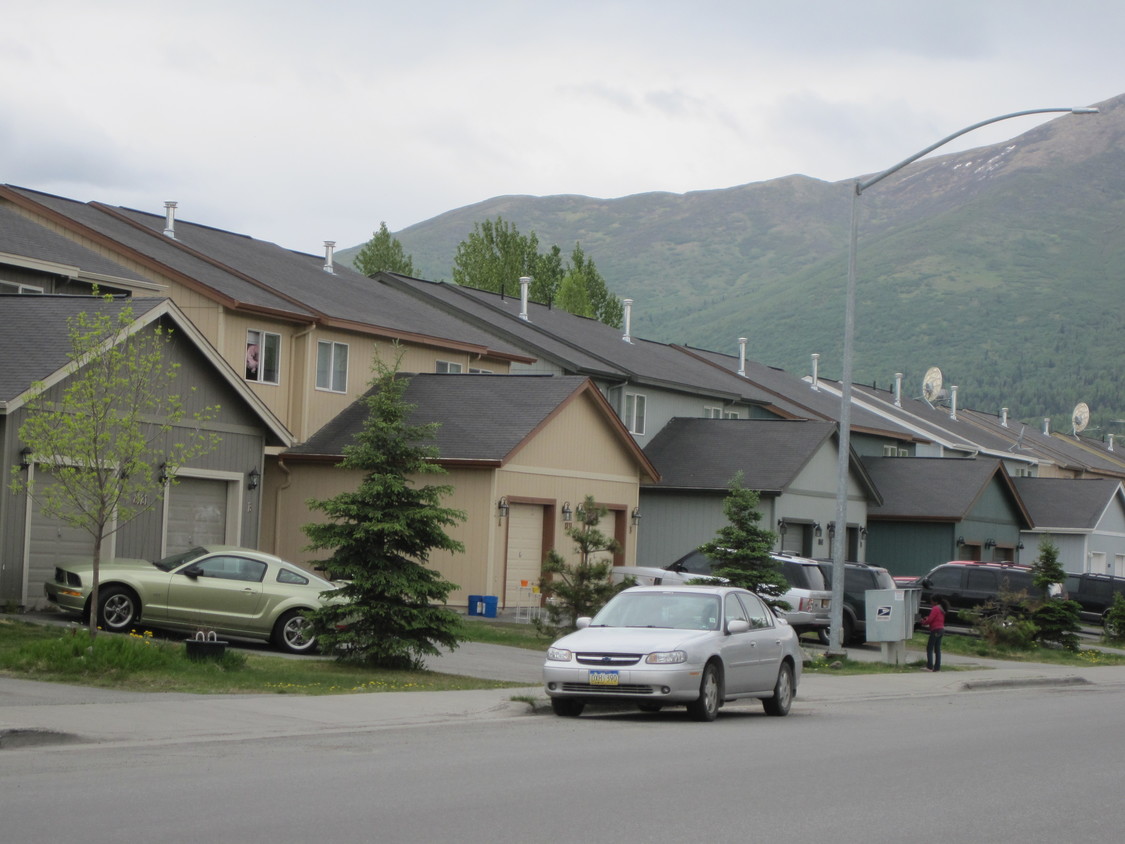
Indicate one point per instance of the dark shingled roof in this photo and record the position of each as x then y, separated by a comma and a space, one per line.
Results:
483, 417
934, 488
34, 339
1076, 504
706, 453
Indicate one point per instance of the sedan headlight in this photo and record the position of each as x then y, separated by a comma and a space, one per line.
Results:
559, 655
666, 658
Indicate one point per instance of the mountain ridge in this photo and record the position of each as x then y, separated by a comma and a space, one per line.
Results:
1000, 264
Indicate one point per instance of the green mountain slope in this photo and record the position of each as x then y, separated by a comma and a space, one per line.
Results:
1002, 265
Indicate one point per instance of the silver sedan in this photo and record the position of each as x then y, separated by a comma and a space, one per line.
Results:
658, 646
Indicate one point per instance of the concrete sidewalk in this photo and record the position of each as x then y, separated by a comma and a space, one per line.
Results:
43, 715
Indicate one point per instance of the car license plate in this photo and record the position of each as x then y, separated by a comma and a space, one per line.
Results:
603, 678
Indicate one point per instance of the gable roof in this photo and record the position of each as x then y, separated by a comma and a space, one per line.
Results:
704, 454
580, 344
937, 489
484, 419
257, 276
1068, 503
35, 346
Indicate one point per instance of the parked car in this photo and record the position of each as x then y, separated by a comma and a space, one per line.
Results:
967, 584
694, 646
233, 591
808, 596
652, 576
858, 578
1094, 593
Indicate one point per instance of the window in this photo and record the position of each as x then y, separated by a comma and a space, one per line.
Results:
712, 413
893, 450
332, 366
635, 413
263, 356
14, 287
730, 414
448, 366
474, 371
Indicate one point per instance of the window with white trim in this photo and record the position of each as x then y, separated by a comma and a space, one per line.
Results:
730, 414
635, 413
475, 371
332, 366
712, 412
15, 287
448, 366
263, 356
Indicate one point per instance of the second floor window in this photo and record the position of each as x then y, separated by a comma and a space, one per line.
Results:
448, 366
635, 413
263, 356
332, 366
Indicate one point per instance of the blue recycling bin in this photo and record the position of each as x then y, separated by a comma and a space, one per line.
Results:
476, 604
489, 604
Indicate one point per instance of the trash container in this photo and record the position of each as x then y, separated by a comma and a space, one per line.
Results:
488, 605
476, 605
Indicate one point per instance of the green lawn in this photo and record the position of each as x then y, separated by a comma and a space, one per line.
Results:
145, 663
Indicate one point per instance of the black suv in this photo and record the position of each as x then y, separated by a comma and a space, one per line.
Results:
966, 584
1094, 593
858, 578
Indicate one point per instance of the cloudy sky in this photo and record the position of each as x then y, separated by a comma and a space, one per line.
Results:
298, 122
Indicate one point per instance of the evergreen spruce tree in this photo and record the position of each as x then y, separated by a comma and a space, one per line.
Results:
741, 549
578, 590
1057, 620
392, 611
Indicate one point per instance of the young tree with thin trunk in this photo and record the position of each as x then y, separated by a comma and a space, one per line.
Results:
112, 432
392, 610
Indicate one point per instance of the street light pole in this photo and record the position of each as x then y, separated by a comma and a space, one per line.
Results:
843, 463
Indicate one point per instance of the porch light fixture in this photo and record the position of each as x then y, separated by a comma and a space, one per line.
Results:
960, 541
816, 529
502, 509
163, 476
25, 457
862, 534
253, 478
1020, 545
990, 543
831, 530
580, 513
781, 526
567, 513
636, 516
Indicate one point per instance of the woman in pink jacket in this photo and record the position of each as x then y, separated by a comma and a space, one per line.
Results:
935, 623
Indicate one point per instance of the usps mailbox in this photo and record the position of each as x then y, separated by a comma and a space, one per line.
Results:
890, 620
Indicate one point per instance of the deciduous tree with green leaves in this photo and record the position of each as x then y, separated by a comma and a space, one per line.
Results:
110, 430
742, 550
392, 611
581, 589
383, 253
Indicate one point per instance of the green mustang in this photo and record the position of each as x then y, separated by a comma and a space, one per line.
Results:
233, 591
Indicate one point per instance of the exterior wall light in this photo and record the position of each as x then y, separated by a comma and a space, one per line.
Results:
502, 509
253, 478
567, 513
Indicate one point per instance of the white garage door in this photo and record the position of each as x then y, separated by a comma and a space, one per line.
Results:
197, 514
53, 542
525, 550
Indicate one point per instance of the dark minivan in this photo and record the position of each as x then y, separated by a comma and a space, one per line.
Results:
1094, 593
858, 578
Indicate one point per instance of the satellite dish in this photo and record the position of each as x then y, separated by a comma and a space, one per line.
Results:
931, 384
1080, 417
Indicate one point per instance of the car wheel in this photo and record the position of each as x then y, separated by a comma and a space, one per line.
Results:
706, 706
782, 692
566, 707
293, 633
118, 608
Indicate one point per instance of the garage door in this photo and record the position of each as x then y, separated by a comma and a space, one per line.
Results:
197, 514
53, 542
525, 550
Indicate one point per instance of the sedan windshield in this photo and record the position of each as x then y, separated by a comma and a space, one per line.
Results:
171, 562
676, 610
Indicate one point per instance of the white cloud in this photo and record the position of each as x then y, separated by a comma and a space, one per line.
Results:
299, 122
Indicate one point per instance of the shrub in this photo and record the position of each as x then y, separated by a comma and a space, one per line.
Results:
1115, 620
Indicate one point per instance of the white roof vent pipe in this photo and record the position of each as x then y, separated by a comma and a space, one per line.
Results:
815, 371
742, 356
898, 389
1111, 442
1004, 417
628, 319
329, 248
170, 220
1046, 426
953, 401
525, 285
